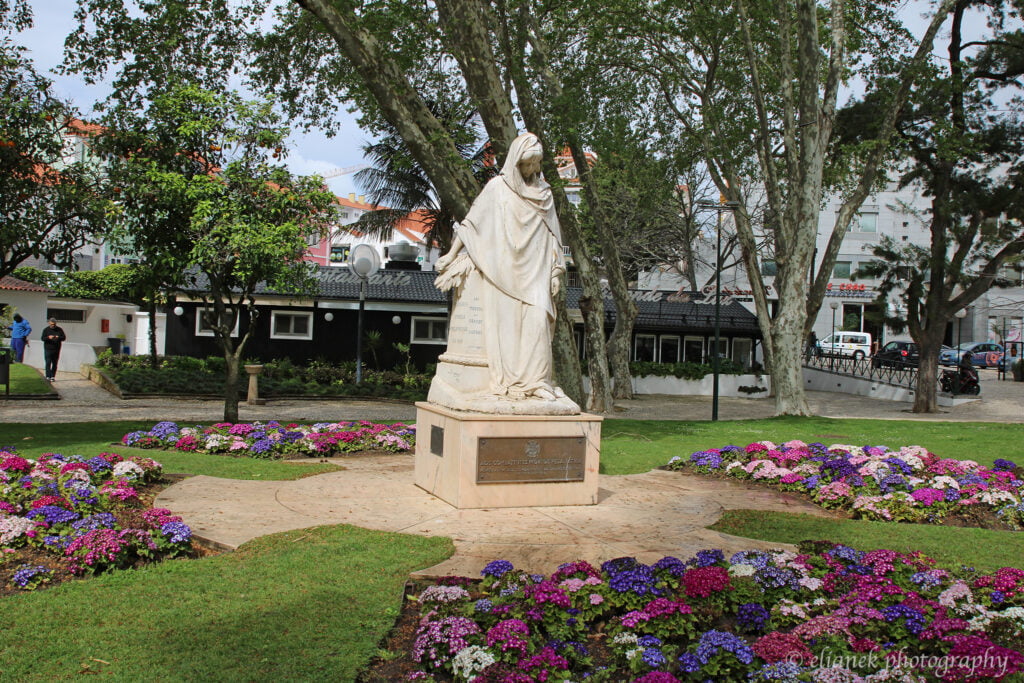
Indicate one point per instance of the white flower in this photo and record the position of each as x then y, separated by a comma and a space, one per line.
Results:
470, 661
742, 569
127, 468
625, 638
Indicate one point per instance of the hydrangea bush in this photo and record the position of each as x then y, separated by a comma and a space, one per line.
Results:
85, 511
272, 440
827, 613
873, 482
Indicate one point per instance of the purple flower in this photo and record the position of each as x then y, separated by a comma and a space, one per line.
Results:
53, 514
497, 568
713, 642
178, 532
752, 617
1003, 465
707, 558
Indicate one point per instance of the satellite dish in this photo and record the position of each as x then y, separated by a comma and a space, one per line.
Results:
364, 260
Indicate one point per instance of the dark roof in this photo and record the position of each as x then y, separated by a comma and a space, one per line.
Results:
667, 311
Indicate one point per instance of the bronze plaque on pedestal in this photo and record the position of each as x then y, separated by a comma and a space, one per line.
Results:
513, 460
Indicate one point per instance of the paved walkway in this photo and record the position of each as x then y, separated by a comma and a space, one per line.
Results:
645, 515
81, 400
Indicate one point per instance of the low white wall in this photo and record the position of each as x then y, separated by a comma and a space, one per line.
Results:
72, 355
728, 385
819, 380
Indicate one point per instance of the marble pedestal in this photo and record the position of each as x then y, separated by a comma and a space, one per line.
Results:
480, 460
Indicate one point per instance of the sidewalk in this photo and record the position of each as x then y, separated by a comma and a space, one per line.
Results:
83, 401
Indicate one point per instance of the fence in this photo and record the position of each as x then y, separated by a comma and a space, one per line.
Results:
897, 375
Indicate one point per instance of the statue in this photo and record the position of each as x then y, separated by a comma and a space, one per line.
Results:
505, 266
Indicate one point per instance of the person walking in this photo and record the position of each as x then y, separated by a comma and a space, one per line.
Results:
53, 337
20, 330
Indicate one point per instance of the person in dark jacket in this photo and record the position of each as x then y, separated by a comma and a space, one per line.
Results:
53, 337
20, 330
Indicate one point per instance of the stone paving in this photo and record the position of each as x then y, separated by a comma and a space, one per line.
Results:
644, 515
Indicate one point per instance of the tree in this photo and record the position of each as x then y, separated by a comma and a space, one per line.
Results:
965, 152
49, 206
207, 168
764, 107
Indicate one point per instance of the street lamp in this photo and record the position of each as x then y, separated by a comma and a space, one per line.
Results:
364, 262
960, 315
721, 206
832, 347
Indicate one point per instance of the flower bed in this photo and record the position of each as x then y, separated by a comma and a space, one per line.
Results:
908, 484
829, 613
71, 514
273, 440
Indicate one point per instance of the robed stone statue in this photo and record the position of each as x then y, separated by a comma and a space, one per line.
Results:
505, 266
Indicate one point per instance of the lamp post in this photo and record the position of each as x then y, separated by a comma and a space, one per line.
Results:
721, 206
960, 315
832, 347
364, 262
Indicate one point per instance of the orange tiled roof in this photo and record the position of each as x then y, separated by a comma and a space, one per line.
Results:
14, 284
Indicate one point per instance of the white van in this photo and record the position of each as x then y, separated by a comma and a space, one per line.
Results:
856, 345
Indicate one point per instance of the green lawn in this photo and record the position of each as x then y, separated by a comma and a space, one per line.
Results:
303, 605
630, 446
25, 379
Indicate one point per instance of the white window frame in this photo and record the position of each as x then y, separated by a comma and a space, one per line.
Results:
679, 348
306, 336
690, 338
654, 345
56, 313
749, 354
208, 332
413, 339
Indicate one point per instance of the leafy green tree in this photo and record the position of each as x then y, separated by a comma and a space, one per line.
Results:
116, 282
205, 195
50, 205
964, 149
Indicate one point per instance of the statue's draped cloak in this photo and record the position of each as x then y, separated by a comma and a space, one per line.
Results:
512, 236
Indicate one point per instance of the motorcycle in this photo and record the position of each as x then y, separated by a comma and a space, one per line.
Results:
957, 382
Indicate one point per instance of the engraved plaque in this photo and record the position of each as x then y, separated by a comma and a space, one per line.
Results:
508, 460
437, 440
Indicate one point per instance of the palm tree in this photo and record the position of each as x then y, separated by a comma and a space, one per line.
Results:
395, 180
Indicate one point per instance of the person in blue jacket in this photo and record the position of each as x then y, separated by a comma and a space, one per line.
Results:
20, 330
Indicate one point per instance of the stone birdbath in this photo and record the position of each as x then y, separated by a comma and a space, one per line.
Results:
254, 390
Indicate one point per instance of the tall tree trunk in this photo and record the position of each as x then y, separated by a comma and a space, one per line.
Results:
620, 342
929, 345
565, 355
231, 386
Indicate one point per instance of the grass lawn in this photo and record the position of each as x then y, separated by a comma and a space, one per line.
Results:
631, 446
304, 605
985, 550
25, 379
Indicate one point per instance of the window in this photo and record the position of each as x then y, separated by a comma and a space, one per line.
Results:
769, 268
668, 349
291, 325
644, 346
864, 222
742, 351
203, 318
723, 348
842, 269
66, 315
429, 331
339, 253
693, 349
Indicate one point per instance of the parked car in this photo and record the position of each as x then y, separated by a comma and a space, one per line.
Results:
896, 354
856, 345
983, 354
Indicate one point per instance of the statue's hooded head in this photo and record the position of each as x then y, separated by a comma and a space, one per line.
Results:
526, 148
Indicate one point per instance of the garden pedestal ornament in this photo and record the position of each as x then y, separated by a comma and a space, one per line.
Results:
495, 430
254, 389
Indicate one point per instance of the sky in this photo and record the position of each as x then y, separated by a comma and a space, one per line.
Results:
308, 152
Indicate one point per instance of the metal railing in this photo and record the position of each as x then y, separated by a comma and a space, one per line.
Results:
898, 374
